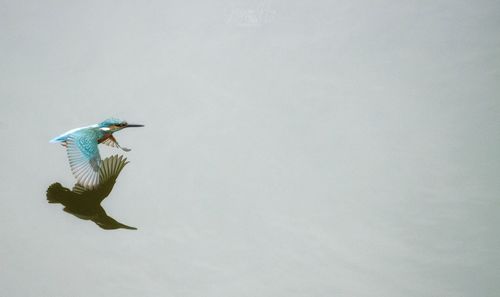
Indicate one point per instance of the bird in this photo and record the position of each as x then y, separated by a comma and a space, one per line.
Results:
82, 148
86, 203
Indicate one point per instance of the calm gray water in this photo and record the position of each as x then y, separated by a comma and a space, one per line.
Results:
334, 148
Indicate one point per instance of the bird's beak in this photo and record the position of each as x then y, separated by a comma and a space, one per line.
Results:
134, 125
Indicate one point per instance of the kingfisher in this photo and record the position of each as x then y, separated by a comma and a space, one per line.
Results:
86, 203
81, 147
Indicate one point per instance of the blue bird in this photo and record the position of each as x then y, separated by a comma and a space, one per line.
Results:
83, 154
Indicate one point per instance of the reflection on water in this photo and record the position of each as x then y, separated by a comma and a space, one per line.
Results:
86, 203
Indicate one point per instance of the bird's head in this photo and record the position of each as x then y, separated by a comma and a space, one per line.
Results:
112, 125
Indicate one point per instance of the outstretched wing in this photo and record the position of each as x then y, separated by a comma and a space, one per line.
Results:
109, 141
109, 171
112, 166
84, 158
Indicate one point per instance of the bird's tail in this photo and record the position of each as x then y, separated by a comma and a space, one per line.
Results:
56, 193
55, 140
60, 138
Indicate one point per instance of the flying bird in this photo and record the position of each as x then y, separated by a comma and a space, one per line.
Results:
86, 203
83, 154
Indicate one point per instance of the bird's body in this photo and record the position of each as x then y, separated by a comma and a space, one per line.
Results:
64, 137
83, 153
85, 203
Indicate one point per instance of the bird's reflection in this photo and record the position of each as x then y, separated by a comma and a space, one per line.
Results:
86, 203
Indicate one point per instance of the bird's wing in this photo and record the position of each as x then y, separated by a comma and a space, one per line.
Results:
84, 158
109, 171
110, 141
112, 166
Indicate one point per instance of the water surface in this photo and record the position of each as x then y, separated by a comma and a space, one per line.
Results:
334, 148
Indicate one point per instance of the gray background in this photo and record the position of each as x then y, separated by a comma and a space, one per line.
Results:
334, 148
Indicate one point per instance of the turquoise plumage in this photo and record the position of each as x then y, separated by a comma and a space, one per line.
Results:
82, 148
